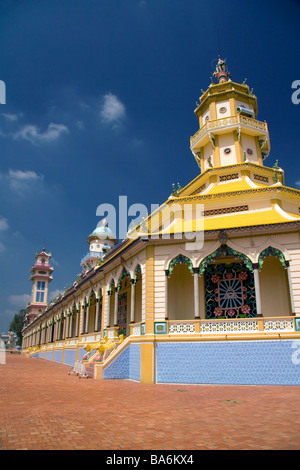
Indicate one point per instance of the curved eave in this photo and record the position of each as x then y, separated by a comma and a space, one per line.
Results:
294, 193
101, 236
228, 221
192, 186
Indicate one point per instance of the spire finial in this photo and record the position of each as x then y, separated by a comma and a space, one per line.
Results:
221, 72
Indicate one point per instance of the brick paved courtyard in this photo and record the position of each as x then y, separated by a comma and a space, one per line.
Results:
42, 407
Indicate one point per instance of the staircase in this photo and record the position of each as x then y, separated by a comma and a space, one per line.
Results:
90, 370
100, 353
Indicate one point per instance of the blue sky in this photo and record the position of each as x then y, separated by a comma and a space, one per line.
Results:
100, 99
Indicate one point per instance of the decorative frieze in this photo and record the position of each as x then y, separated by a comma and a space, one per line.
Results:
225, 210
232, 176
264, 179
280, 324
181, 328
243, 326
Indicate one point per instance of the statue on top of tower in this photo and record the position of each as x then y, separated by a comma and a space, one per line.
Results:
221, 72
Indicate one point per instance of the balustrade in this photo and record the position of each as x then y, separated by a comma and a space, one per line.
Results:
255, 325
228, 121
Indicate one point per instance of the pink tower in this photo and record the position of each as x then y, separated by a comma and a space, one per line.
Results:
40, 277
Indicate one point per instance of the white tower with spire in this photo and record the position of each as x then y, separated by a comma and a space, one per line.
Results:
101, 241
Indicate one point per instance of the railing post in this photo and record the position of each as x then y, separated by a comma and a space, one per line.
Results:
260, 322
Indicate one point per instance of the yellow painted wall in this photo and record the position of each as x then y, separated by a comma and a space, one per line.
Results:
147, 362
227, 141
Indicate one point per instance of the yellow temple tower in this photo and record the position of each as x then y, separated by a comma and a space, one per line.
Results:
229, 132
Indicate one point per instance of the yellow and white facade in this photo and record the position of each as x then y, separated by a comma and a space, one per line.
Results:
207, 289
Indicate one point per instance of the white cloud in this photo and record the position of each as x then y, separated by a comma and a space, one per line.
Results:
11, 117
56, 263
137, 143
54, 294
34, 135
23, 175
113, 110
21, 180
19, 300
3, 224
79, 125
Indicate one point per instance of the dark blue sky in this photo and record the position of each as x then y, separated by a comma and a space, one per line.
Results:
100, 99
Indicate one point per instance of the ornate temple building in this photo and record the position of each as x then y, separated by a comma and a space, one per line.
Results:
207, 289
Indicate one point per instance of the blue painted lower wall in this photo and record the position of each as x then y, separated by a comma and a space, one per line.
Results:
264, 362
127, 365
57, 355
70, 357
231, 362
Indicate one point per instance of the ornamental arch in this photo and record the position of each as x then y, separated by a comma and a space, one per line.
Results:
90, 320
111, 302
180, 288
99, 310
123, 293
275, 291
229, 284
74, 318
136, 316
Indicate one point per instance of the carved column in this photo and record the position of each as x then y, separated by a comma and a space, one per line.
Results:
257, 289
166, 295
196, 293
87, 317
77, 321
97, 314
287, 264
116, 308
109, 293
132, 305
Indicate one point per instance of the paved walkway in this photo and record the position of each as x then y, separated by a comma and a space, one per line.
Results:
42, 407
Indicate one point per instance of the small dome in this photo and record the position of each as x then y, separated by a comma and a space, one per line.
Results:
102, 233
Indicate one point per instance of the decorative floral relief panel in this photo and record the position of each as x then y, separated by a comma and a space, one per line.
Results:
229, 291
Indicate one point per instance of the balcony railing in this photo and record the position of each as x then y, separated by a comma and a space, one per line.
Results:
228, 122
42, 265
255, 325
92, 254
